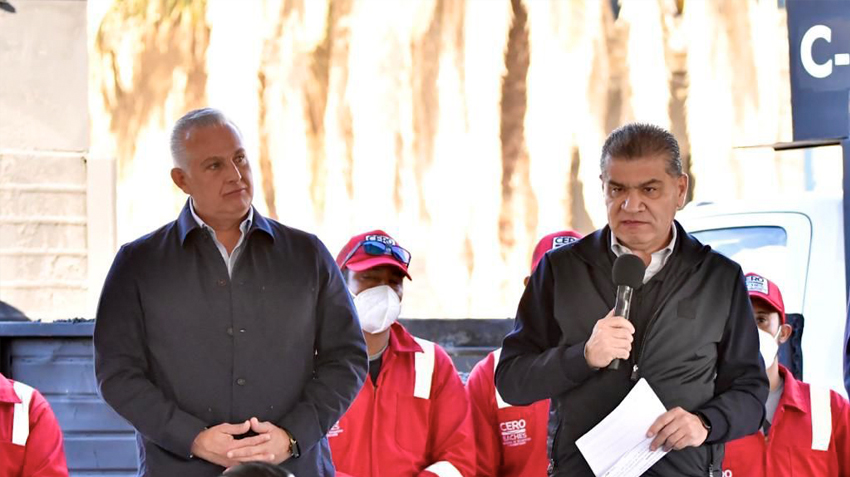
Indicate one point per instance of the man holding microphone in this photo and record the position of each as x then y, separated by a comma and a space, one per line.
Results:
691, 333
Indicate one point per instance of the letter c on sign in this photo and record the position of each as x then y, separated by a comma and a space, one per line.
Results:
815, 33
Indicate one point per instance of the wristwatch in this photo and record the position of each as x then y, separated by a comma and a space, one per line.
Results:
294, 451
704, 421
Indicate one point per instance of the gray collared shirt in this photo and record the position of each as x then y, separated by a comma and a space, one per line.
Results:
229, 259
657, 260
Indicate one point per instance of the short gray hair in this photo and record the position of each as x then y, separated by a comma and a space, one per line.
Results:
193, 119
639, 140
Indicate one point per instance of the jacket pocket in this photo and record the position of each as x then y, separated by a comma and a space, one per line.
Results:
805, 462
687, 309
11, 459
411, 427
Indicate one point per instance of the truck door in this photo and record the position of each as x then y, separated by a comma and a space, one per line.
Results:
779, 245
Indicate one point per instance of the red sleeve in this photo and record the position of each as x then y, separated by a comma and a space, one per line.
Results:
481, 390
841, 432
45, 456
450, 443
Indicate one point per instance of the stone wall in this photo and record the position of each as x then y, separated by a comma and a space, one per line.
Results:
45, 176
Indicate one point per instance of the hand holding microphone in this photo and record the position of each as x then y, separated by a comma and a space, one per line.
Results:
610, 341
612, 337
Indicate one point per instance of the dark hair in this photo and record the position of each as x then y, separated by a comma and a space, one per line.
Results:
639, 140
257, 469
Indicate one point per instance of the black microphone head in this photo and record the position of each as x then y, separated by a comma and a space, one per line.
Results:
628, 271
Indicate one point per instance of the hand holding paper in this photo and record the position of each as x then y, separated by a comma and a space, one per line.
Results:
677, 429
618, 446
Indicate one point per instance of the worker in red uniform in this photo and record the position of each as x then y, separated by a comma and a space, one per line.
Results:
411, 418
30, 437
807, 428
510, 440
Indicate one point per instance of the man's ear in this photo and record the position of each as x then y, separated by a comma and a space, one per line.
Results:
525, 281
683, 182
178, 176
785, 332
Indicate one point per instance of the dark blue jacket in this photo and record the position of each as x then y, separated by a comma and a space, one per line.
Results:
180, 346
698, 349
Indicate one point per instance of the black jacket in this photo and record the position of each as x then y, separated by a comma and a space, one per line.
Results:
180, 345
698, 349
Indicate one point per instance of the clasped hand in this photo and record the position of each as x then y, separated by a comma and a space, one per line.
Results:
219, 444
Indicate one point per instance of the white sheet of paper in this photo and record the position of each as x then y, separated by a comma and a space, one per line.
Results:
618, 446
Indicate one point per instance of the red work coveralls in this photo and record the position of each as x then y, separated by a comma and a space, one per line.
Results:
416, 422
510, 440
30, 437
809, 437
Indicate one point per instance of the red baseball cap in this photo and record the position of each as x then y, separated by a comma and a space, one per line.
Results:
551, 242
761, 288
359, 259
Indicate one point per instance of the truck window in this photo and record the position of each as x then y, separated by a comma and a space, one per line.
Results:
761, 249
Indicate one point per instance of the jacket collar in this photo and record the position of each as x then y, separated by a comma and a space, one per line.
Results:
401, 341
186, 223
595, 248
795, 393
7, 392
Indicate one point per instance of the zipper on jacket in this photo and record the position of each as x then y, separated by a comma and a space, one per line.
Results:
636, 368
552, 464
711, 460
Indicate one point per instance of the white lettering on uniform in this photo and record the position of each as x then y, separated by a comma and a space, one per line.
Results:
335, 431
514, 433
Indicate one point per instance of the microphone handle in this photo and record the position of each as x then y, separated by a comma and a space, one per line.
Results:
622, 307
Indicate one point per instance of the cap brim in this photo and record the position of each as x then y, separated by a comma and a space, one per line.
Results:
373, 262
767, 301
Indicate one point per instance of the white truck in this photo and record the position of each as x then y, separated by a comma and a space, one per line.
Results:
798, 243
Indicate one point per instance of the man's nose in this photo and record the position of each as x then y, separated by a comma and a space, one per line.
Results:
633, 201
234, 174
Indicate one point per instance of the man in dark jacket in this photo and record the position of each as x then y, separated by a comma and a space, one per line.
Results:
225, 337
691, 334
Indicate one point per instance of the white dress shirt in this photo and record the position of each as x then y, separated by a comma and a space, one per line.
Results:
657, 260
229, 259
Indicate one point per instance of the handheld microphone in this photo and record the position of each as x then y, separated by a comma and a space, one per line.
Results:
628, 276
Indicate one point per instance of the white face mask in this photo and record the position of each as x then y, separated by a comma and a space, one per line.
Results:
378, 308
768, 346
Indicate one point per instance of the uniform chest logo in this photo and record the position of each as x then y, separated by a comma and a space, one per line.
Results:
335, 431
514, 433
